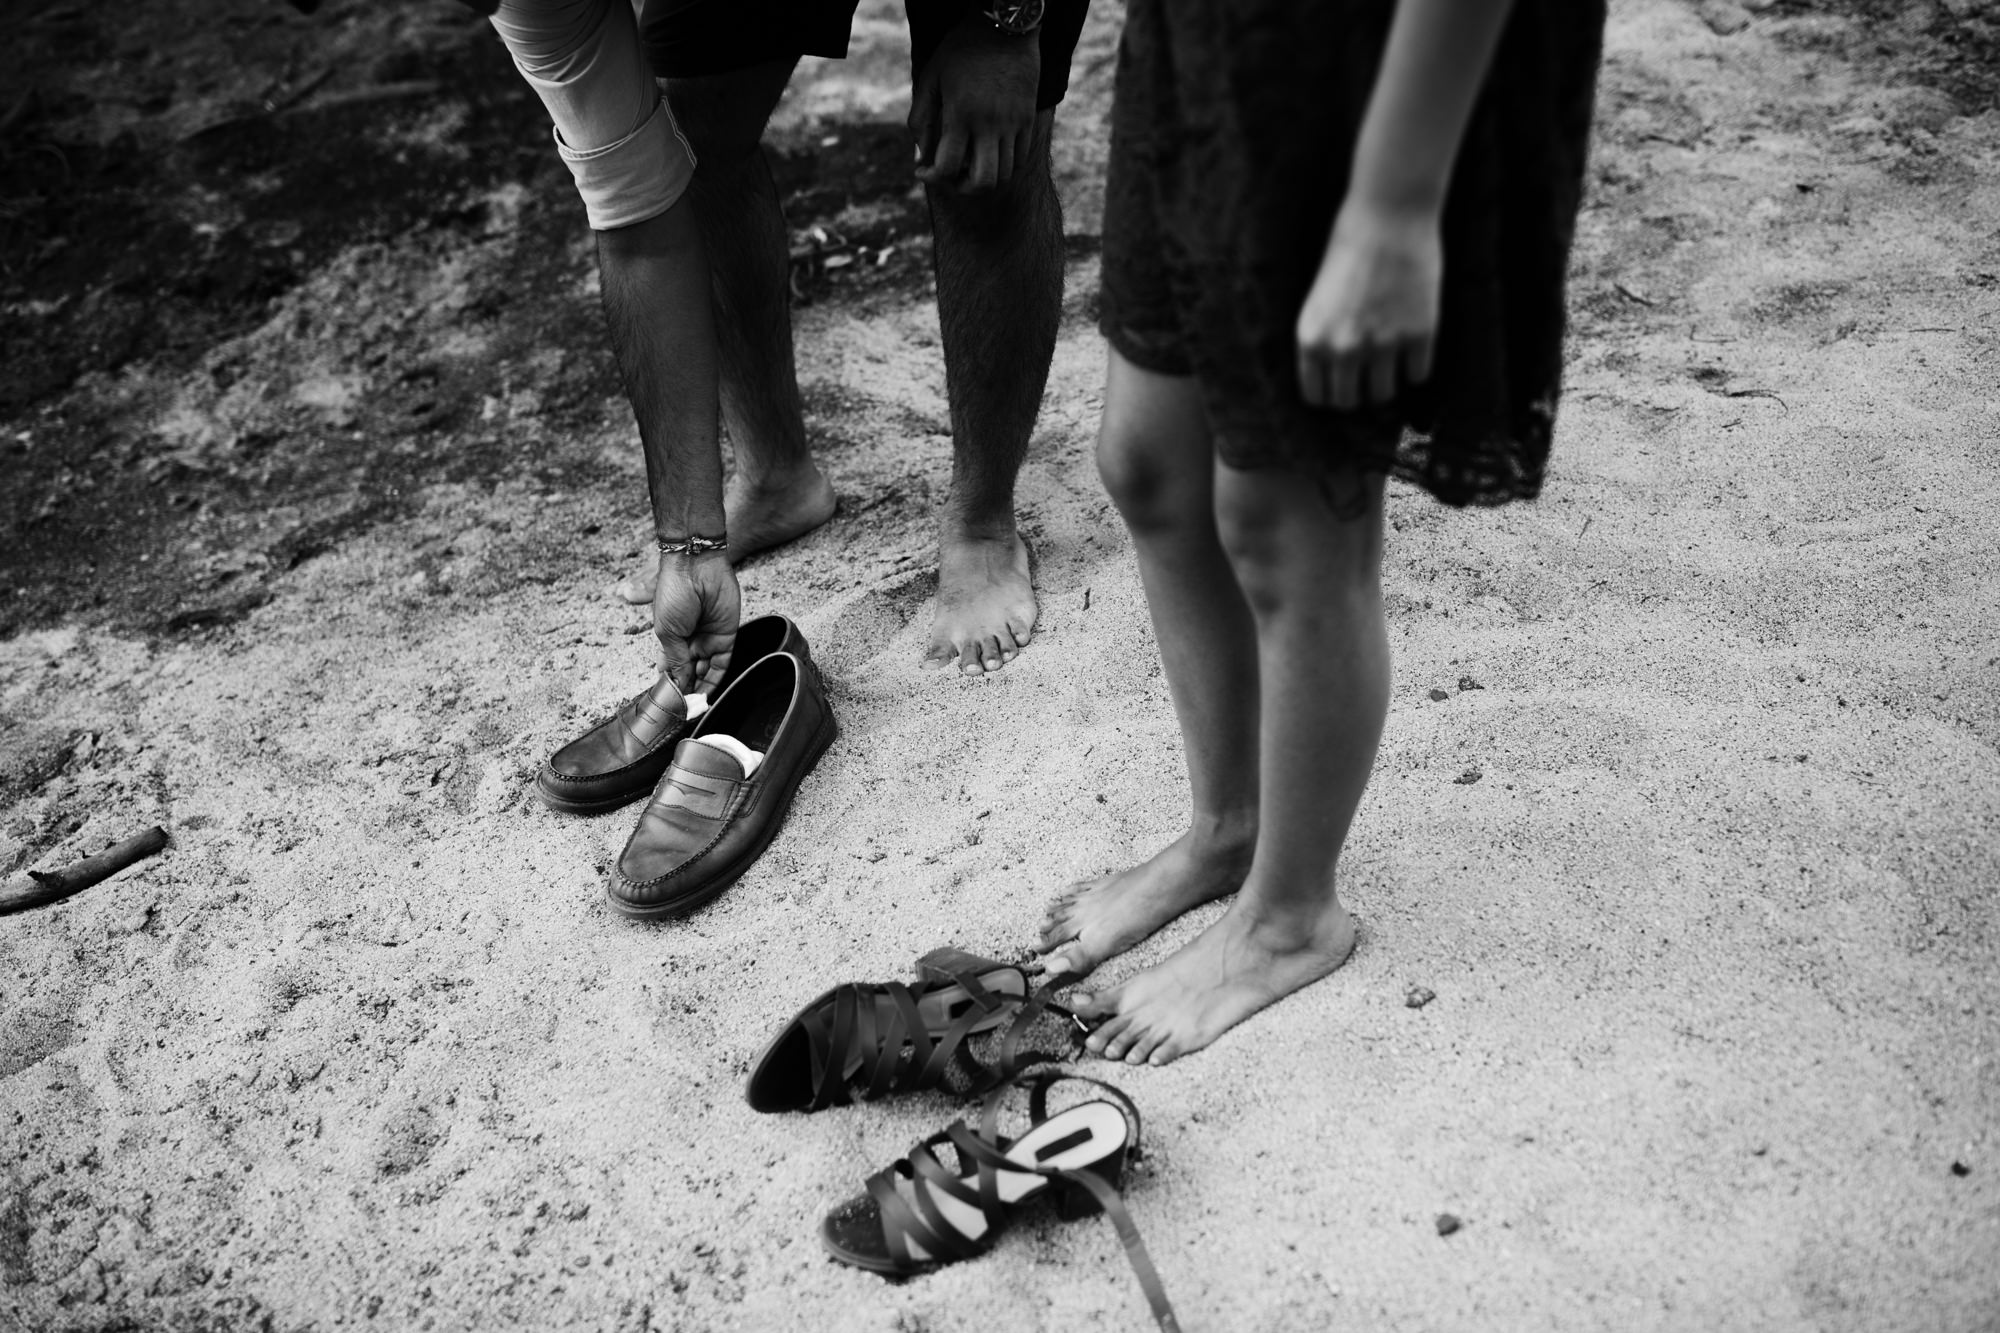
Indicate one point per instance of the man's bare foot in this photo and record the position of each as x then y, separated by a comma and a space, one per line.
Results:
759, 518
1091, 922
1221, 977
985, 600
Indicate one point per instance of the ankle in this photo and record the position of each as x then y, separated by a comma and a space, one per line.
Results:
782, 479
1290, 927
957, 530
1224, 836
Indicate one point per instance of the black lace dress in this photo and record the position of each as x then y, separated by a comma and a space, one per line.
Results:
1233, 130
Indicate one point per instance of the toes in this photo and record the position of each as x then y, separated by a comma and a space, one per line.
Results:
1127, 1038
1143, 1046
1069, 960
1094, 1006
1166, 1052
1021, 631
989, 652
1100, 1040
969, 660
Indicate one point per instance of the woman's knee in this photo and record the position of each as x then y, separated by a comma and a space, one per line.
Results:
1149, 483
1286, 536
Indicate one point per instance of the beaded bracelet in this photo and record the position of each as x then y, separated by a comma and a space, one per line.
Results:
694, 545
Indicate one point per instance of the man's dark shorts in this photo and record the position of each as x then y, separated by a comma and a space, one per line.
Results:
692, 38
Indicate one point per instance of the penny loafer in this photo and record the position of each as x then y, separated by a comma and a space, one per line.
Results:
724, 796
621, 758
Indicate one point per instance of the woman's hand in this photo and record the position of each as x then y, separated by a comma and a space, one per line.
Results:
1370, 320
696, 607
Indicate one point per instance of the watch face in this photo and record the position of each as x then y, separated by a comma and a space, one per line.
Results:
1017, 16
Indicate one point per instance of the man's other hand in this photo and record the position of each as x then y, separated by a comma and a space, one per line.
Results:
973, 114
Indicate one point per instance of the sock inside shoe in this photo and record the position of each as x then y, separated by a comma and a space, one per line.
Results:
747, 759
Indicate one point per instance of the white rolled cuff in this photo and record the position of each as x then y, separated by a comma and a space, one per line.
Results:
639, 177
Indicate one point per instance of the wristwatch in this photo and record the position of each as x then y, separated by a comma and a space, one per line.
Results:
1016, 18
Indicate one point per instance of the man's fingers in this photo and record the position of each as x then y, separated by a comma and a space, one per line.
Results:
924, 133
923, 115
715, 660
1381, 374
949, 159
985, 166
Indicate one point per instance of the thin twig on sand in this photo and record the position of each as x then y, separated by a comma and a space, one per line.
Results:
51, 886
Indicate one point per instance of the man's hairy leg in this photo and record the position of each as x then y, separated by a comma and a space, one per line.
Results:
777, 492
1000, 274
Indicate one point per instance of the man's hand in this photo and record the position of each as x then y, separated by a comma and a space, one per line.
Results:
1370, 321
973, 115
695, 611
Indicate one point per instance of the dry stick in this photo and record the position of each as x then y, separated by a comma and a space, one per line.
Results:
54, 886
381, 92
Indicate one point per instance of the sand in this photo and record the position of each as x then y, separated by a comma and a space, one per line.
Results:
1697, 852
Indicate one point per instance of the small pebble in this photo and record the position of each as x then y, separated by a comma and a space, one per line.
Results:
1418, 997
1960, 1169
639, 628
1468, 683
1468, 777
1439, 696
1448, 1223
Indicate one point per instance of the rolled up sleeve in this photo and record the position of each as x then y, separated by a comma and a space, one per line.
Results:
583, 59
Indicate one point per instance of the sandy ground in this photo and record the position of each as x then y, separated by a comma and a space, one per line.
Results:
1701, 873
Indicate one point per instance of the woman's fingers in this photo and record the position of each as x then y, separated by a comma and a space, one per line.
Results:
1351, 377
1381, 374
1344, 379
1417, 359
1312, 375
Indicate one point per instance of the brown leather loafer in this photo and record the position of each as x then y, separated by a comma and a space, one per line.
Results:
713, 813
621, 758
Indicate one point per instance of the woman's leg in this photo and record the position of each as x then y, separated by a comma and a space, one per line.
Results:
1157, 462
1313, 583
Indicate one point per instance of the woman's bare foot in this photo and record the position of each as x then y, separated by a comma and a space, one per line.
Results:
760, 517
1091, 922
985, 599
1221, 977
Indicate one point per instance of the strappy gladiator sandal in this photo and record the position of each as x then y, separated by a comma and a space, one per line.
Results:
923, 1212
969, 1025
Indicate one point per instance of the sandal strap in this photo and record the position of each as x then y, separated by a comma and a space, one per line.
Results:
920, 1219
1038, 1083
1135, 1246
1012, 1058
874, 1041
925, 1222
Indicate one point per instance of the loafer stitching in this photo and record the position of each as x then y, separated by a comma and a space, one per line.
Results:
651, 750
727, 821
